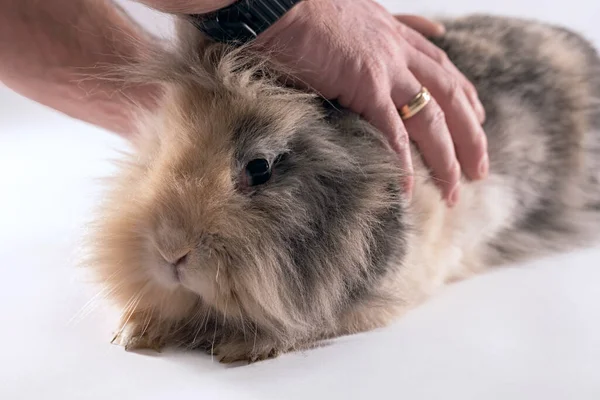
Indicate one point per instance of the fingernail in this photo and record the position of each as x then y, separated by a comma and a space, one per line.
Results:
484, 166
441, 29
454, 196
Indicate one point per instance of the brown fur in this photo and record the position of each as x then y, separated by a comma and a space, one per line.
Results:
329, 246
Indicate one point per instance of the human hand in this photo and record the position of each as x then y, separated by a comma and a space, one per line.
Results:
336, 49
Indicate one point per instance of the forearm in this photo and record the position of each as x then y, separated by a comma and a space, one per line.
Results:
50, 52
187, 6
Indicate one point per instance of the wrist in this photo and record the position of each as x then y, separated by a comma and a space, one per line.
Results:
298, 15
245, 20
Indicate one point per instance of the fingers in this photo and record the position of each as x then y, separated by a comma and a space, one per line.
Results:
429, 131
424, 26
467, 134
414, 38
384, 116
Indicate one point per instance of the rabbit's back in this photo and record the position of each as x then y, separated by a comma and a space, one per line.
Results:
540, 86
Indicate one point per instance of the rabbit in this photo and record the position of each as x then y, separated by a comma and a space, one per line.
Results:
253, 219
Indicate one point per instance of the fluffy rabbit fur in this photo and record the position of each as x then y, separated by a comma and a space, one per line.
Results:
329, 245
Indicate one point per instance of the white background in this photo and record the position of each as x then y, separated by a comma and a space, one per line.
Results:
529, 332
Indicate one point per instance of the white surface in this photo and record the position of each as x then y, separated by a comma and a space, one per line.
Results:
531, 332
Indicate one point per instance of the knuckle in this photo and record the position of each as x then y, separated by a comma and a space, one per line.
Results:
402, 139
436, 119
476, 139
402, 29
372, 79
470, 89
454, 171
453, 89
440, 56
375, 70
401, 142
379, 101
449, 174
370, 90
480, 145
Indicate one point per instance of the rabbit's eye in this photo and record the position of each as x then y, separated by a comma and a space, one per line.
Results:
258, 172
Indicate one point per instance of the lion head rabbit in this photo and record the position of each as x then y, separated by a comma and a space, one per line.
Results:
250, 219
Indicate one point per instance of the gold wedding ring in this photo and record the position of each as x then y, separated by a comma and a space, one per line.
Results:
416, 104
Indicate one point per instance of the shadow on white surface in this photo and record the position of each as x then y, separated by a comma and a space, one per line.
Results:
529, 332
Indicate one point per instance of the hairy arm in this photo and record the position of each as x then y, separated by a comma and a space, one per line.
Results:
50, 51
187, 6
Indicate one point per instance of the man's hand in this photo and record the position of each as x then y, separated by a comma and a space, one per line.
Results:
373, 63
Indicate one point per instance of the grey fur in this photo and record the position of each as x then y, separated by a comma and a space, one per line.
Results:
558, 189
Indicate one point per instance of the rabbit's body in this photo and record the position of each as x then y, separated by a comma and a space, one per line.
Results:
328, 245
540, 86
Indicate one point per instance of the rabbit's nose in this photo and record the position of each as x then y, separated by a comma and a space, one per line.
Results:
176, 266
175, 259
181, 260
175, 263
178, 259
